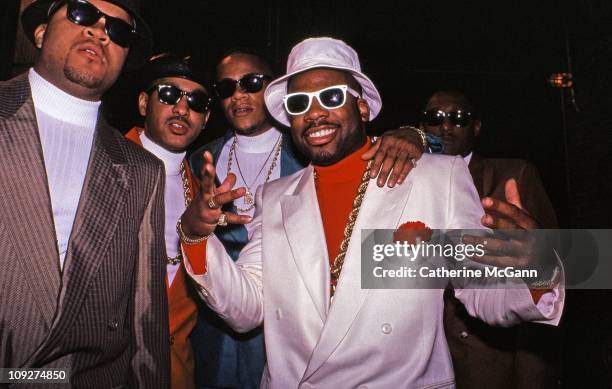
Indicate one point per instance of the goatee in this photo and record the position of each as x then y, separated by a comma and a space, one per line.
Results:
81, 77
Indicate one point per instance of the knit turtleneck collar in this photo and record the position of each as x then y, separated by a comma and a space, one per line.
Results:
347, 169
172, 161
60, 105
261, 143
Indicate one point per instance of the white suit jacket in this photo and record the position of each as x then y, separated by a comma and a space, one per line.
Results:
366, 338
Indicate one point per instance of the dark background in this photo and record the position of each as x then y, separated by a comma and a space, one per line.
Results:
500, 53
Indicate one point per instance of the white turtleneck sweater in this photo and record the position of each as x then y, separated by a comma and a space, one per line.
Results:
174, 200
252, 153
66, 125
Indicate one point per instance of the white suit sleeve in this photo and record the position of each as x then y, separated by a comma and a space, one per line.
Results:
510, 302
234, 289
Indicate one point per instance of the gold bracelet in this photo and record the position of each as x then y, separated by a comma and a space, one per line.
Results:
187, 240
421, 134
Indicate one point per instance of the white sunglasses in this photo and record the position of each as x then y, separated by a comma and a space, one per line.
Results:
329, 98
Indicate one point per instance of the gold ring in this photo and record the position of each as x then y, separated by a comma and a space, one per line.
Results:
212, 204
222, 220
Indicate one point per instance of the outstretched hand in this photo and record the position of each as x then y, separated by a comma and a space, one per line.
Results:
395, 153
509, 214
204, 212
518, 248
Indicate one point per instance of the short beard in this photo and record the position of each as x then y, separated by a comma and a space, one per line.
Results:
324, 159
82, 78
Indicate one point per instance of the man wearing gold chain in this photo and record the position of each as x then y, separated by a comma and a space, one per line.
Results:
256, 152
300, 253
175, 104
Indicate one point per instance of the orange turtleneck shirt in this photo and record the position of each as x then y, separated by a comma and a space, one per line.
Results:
336, 189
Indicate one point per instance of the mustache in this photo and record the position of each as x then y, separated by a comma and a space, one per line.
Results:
179, 118
322, 122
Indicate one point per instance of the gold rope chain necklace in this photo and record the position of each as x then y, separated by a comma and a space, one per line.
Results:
336, 267
187, 196
249, 200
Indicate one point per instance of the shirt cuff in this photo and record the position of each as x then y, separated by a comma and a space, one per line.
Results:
545, 299
195, 257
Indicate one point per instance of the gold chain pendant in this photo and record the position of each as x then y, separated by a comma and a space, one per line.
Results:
248, 198
187, 198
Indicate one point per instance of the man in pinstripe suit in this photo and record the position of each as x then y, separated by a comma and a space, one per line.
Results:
81, 209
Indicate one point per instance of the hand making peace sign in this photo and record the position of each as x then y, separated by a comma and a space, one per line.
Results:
204, 213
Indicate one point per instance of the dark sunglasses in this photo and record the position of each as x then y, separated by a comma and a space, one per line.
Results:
82, 13
329, 98
435, 118
249, 83
197, 100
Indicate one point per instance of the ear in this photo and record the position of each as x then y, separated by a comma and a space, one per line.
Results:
206, 117
364, 110
39, 35
143, 101
477, 124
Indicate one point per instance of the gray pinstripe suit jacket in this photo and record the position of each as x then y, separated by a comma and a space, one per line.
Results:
105, 316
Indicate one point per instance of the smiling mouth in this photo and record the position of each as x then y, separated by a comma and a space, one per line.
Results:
321, 133
320, 137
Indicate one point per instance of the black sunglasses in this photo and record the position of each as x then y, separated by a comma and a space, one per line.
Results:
197, 100
435, 118
249, 83
82, 13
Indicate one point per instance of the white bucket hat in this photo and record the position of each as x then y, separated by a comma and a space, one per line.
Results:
320, 53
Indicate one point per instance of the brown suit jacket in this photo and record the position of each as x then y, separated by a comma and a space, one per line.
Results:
105, 316
525, 356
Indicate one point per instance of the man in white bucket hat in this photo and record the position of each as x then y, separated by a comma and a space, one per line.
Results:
321, 328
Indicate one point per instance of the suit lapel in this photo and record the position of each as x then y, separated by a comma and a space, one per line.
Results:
100, 205
382, 208
304, 230
26, 205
